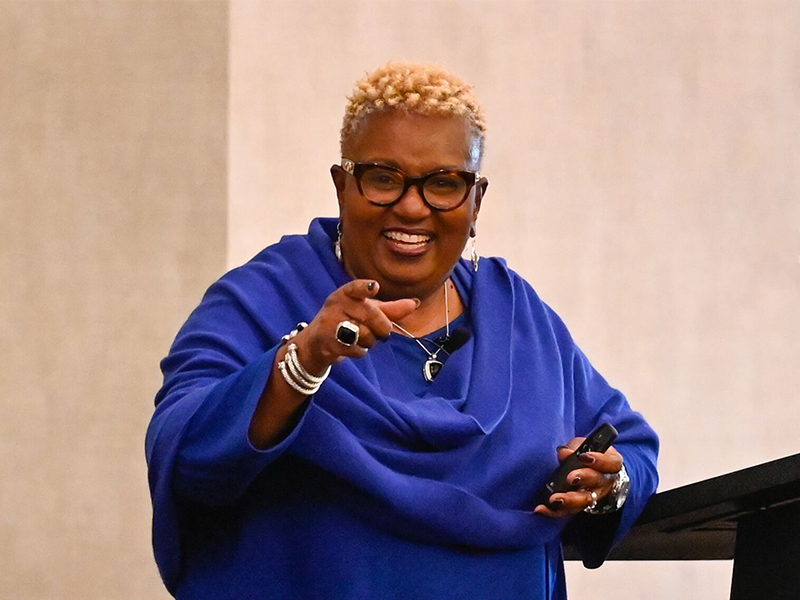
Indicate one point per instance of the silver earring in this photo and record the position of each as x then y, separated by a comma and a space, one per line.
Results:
474, 254
337, 245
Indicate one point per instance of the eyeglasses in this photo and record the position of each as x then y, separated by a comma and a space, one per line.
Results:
383, 185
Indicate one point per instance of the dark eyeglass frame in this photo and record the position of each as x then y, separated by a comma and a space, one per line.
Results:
357, 170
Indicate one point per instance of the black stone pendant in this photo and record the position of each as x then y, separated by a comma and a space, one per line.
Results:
432, 368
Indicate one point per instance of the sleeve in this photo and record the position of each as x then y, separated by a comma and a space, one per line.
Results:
197, 445
596, 402
214, 376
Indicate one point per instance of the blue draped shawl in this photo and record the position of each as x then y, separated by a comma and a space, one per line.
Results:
461, 468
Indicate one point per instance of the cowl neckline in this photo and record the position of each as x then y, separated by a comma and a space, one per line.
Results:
471, 394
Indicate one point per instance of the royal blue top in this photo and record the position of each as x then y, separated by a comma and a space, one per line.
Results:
378, 491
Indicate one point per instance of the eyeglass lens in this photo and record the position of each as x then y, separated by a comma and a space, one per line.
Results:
441, 190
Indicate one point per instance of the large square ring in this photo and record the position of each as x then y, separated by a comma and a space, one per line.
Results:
347, 333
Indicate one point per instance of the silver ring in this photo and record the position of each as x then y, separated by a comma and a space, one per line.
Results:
347, 333
593, 505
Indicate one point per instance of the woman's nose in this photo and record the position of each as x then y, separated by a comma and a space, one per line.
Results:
412, 205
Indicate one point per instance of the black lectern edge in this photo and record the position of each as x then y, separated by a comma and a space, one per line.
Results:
699, 521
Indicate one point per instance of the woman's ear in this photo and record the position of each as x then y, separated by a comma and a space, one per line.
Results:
339, 181
480, 190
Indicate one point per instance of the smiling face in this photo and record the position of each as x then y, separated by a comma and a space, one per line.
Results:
408, 247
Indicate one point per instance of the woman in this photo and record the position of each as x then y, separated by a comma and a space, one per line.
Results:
397, 445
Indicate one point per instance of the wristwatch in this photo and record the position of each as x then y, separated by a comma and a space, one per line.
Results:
615, 498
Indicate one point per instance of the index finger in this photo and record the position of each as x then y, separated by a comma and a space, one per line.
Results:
609, 461
361, 289
566, 450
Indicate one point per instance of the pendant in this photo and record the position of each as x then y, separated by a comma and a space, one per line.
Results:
431, 369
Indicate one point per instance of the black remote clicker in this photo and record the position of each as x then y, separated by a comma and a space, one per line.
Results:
598, 441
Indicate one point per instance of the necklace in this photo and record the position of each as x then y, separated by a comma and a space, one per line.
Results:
433, 365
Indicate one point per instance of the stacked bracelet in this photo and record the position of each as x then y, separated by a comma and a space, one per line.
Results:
296, 376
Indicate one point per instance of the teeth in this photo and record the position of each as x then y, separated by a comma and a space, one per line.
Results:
406, 238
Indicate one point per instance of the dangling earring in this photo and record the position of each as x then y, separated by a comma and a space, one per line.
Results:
473, 252
337, 245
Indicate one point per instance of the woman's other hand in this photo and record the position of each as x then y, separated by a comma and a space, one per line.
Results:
597, 475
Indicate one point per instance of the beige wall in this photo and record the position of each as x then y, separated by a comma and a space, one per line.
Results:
112, 223
643, 159
643, 164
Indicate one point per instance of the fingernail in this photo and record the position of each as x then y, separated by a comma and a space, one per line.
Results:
587, 458
418, 301
371, 285
562, 447
556, 504
577, 481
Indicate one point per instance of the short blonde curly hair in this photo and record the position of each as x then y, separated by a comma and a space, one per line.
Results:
419, 88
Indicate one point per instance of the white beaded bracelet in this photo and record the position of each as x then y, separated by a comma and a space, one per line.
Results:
293, 372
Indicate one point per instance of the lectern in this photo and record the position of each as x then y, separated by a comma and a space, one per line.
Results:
751, 516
